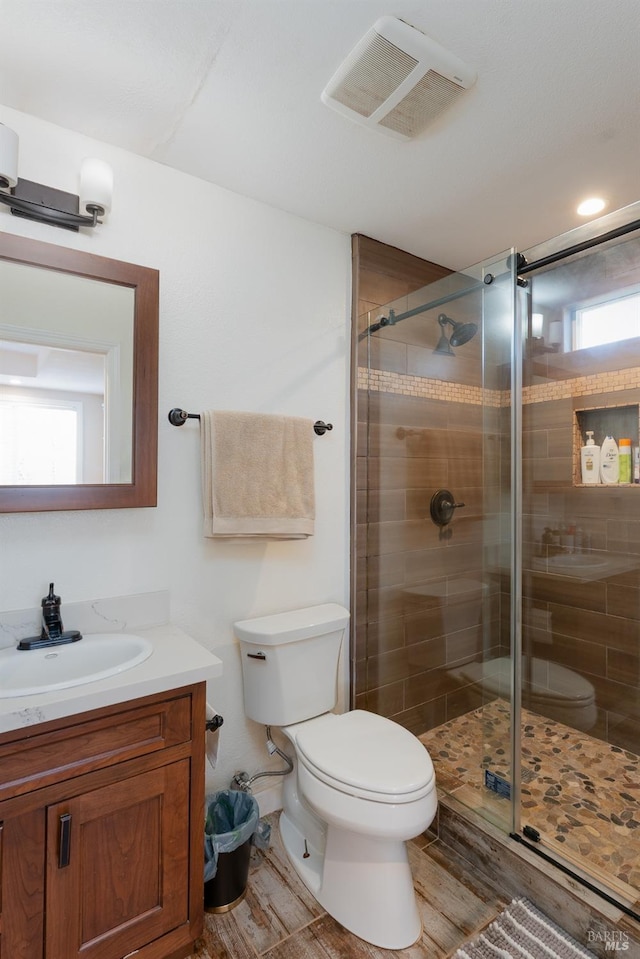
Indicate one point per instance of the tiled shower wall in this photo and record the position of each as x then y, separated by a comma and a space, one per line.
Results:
590, 619
421, 606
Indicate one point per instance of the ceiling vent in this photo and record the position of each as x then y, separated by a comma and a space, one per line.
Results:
396, 80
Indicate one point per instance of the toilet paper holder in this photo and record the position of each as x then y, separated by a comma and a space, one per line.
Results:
214, 723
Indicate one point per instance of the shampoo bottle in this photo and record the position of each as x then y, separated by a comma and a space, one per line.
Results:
624, 455
609, 461
590, 460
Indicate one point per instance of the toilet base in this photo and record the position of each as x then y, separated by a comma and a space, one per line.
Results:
364, 883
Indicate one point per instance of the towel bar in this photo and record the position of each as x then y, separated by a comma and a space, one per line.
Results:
178, 417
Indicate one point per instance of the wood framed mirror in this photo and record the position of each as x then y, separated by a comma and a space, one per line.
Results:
78, 379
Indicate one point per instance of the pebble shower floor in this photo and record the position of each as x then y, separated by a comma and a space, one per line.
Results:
581, 794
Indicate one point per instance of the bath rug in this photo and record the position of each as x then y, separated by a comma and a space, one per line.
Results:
522, 932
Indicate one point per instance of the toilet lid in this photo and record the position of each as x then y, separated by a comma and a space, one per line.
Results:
368, 752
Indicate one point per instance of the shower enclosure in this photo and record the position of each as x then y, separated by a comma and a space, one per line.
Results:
498, 596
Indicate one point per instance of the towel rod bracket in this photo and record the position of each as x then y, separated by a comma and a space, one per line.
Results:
178, 417
320, 428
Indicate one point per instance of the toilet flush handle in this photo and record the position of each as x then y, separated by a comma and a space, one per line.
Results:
256, 656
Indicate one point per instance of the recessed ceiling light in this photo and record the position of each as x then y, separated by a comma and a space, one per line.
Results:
593, 205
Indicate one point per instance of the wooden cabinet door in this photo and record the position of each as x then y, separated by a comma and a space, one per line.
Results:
117, 866
22, 884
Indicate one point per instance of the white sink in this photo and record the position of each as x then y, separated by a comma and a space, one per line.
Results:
95, 656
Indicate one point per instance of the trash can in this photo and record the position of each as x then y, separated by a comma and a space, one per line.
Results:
231, 820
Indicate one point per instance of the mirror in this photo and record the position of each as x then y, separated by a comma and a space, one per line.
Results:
78, 379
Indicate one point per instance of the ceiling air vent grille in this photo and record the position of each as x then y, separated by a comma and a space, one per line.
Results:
397, 80
424, 103
368, 80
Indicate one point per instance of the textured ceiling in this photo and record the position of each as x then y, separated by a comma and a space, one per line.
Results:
230, 92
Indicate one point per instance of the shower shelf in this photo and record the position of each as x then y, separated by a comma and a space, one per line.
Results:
604, 421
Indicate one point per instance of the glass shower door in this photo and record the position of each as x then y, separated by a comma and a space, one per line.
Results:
581, 566
434, 525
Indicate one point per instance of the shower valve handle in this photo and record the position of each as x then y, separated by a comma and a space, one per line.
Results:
442, 506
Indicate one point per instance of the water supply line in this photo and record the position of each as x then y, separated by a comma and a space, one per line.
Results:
243, 781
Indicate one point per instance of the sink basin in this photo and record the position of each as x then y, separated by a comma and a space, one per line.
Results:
95, 656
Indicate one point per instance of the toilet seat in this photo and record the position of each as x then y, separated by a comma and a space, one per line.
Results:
367, 756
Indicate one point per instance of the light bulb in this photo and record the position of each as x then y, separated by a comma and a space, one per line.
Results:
96, 184
593, 205
537, 321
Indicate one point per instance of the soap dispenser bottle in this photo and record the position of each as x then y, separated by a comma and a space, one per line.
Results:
609, 461
590, 460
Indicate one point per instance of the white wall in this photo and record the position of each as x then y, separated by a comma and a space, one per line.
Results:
254, 313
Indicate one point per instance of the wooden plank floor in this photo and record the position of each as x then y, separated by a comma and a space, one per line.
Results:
279, 919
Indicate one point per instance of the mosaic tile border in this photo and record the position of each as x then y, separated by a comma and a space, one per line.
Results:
383, 381
404, 384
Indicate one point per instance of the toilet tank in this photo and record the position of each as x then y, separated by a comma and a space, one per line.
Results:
290, 663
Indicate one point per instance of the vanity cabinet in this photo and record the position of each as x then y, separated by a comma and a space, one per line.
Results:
101, 832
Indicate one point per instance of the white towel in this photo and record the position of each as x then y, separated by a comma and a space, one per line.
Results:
257, 475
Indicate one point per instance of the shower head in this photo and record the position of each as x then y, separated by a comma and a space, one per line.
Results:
460, 334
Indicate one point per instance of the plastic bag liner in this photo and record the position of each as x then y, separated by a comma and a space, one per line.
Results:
232, 820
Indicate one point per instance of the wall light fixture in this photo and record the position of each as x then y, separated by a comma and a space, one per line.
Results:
34, 201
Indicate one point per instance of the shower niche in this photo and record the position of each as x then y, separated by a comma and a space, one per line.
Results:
616, 421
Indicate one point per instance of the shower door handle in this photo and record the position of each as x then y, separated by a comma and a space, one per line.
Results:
442, 506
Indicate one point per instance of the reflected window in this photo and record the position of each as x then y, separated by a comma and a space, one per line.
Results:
40, 442
606, 321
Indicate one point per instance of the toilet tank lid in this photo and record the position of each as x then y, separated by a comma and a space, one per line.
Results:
296, 624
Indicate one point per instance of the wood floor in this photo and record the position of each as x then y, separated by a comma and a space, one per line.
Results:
280, 919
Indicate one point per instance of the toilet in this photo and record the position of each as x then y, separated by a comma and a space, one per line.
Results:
552, 691
361, 786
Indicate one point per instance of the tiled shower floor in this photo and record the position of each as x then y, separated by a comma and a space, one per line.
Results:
582, 795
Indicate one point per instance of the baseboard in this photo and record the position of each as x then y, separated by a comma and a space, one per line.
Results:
269, 798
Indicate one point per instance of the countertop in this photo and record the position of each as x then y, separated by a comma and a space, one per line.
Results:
177, 660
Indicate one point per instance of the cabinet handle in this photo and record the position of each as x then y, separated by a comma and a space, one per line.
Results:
64, 853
